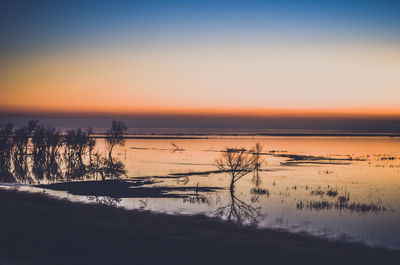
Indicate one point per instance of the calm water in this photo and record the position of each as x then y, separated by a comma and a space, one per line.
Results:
348, 190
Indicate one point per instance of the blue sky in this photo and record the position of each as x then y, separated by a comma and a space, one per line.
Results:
34, 25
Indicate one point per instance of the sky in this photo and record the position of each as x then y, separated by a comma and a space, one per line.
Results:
259, 57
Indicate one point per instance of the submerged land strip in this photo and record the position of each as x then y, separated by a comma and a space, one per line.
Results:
132, 188
54, 231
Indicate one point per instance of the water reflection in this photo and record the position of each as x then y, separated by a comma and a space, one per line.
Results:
40, 154
238, 211
331, 199
197, 198
258, 162
6, 149
339, 185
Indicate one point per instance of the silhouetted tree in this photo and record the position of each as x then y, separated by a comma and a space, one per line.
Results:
258, 161
91, 145
237, 162
113, 169
114, 136
96, 166
20, 161
21, 139
79, 145
46, 145
6, 149
54, 144
54, 156
106, 167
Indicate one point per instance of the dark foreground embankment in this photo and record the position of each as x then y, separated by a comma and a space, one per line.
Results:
36, 229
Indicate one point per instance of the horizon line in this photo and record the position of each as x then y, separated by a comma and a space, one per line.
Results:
217, 112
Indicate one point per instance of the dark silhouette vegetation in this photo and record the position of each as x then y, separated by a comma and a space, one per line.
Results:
331, 199
38, 154
114, 136
239, 162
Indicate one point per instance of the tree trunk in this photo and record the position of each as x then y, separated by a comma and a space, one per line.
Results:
232, 187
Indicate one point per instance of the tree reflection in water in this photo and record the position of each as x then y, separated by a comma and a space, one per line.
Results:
6, 151
197, 198
36, 153
238, 211
238, 163
258, 162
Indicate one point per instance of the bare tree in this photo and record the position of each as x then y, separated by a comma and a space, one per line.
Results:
21, 147
106, 167
114, 136
237, 162
36, 153
46, 145
6, 150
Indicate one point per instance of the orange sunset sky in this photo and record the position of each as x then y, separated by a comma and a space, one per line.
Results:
235, 63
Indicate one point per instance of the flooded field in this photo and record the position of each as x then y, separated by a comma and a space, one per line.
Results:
335, 187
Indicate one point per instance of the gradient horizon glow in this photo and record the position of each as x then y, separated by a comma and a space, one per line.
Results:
200, 56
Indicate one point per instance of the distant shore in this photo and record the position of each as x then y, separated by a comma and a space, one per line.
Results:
37, 229
173, 136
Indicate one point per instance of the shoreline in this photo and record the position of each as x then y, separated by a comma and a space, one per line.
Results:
57, 231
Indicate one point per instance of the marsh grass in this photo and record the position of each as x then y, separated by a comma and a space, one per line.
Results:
259, 191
